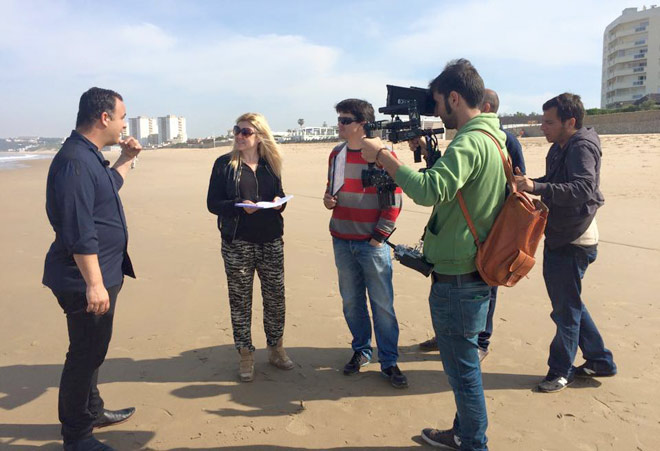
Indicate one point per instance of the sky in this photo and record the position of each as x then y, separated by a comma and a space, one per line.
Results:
211, 61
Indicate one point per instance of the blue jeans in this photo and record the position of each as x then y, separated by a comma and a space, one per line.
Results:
459, 311
563, 270
362, 269
484, 337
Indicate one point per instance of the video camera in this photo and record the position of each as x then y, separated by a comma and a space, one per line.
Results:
413, 102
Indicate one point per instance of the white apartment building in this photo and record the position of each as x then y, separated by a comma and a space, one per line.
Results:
631, 57
183, 133
172, 129
144, 129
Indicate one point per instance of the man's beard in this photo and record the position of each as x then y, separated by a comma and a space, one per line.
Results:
449, 121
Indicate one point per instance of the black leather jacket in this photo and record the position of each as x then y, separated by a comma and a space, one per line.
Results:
224, 192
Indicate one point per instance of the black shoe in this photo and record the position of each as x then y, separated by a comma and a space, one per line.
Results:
396, 377
554, 383
591, 370
112, 417
429, 345
87, 444
441, 439
357, 361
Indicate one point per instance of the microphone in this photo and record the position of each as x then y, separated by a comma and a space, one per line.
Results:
106, 163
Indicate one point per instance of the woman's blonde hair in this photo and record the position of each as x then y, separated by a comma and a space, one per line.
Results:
267, 147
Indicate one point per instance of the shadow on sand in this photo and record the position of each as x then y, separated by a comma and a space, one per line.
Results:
211, 372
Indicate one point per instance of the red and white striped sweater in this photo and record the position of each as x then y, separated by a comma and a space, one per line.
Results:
357, 215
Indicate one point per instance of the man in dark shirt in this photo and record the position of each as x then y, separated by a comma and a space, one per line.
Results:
571, 190
490, 104
86, 263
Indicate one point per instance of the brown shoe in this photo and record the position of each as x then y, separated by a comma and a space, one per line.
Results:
277, 356
246, 365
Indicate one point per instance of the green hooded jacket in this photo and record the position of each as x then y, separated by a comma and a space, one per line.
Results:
472, 164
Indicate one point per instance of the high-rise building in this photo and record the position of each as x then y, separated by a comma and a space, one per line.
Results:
631, 57
183, 133
172, 129
144, 129
168, 128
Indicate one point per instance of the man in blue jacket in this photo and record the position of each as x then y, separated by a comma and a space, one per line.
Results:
86, 264
571, 190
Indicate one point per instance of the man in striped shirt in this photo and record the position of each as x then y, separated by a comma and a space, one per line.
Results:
359, 226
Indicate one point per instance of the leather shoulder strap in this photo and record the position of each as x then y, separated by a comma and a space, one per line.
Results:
473, 229
508, 171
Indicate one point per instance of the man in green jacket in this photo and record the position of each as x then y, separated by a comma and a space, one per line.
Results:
459, 297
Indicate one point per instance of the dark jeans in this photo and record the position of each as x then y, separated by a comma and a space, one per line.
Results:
458, 312
563, 270
89, 336
484, 337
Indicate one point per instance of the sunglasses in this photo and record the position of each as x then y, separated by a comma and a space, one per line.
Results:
246, 132
346, 120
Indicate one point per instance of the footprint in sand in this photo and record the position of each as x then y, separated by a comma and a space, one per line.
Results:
299, 427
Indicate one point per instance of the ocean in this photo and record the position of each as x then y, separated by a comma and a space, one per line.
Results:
14, 160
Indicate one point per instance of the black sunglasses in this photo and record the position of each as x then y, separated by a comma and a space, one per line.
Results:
346, 120
246, 132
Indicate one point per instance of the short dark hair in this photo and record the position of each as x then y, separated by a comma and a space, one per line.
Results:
568, 106
361, 109
94, 102
493, 99
460, 76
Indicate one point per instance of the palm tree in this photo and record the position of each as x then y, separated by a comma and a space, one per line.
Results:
301, 122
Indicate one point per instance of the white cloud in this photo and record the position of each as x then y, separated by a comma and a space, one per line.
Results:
54, 51
554, 33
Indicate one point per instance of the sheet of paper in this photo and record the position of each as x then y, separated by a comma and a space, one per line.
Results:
338, 169
264, 204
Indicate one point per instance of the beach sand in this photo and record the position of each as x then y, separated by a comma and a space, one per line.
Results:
172, 353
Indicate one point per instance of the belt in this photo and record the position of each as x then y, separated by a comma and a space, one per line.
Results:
458, 278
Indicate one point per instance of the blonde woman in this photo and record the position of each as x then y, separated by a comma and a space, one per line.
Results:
252, 237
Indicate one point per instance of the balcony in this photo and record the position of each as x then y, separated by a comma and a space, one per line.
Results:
627, 45
627, 83
626, 59
629, 32
611, 75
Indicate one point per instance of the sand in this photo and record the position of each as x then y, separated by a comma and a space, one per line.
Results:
172, 354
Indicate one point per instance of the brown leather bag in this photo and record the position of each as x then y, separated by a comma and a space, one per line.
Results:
507, 254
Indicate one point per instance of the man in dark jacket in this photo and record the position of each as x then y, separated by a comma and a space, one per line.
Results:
571, 190
86, 264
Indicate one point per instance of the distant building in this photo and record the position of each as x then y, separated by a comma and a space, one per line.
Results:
183, 133
631, 57
314, 134
142, 128
172, 129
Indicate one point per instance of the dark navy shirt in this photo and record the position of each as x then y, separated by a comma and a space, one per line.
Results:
515, 152
84, 208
